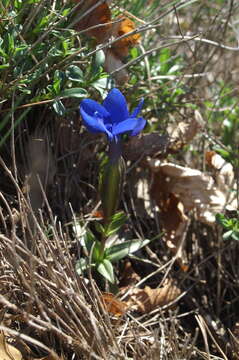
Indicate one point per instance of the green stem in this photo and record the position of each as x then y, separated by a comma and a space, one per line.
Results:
111, 183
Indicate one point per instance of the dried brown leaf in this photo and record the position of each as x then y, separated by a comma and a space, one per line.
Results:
148, 299
178, 190
129, 276
100, 15
119, 49
174, 220
113, 305
7, 351
203, 193
185, 131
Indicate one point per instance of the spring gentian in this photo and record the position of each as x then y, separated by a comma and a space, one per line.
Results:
112, 117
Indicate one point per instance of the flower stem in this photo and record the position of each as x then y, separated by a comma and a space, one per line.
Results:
111, 183
115, 150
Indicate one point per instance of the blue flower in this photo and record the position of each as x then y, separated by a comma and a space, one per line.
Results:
112, 117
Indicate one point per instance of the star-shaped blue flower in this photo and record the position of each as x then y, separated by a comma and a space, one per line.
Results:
112, 117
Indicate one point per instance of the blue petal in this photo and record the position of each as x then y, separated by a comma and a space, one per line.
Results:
131, 125
139, 126
138, 108
94, 115
116, 105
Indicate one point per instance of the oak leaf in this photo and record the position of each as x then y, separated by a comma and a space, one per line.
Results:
107, 29
183, 132
121, 47
7, 351
113, 305
179, 191
99, 15
148, 299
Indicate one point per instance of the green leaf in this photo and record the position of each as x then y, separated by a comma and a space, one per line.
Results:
164, 60
99, 58
57, 86
227, 235
222, 220
119, 251
73, 92
81, 265
100, 228
59, 107
10, 40
101, 85
4, 66
105, 268
83, 235
96, 253
88, 241
117, 220
235, 235
134, 52
224, 153
74, 73
57, 81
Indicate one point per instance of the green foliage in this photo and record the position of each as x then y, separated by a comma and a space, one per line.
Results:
223, 116
101, 258
117, 221
230, 225
39, 61
163, 96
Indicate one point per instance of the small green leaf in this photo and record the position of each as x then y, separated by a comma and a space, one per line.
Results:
105, 268
222, 220
57, 86
73, 92
92, 245
83, 235
119, 251
96, 253
115, 224
89, 240
235, 235
99, 58
10, 44
58, 81
59, 107
99, 227
74, 73
81, 266
101, 85
4, 66
227, 235
134, 52
224, 153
